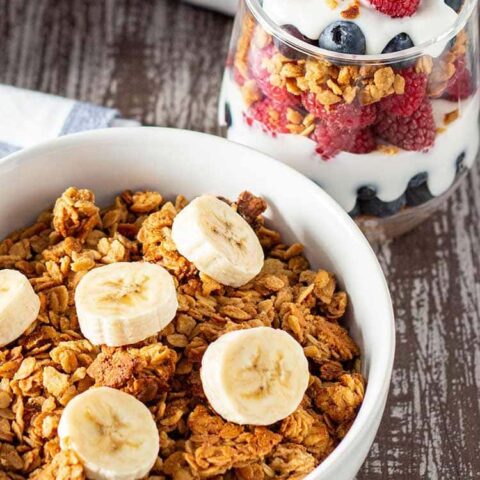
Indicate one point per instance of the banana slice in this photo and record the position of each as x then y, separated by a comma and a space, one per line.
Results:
124, 303
113, 434
218, 241
256, 376
19, 305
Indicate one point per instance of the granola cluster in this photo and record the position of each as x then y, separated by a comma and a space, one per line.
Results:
52, 363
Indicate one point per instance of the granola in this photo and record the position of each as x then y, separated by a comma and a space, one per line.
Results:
51, 362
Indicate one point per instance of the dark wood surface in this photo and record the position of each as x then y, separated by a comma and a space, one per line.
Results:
161, 62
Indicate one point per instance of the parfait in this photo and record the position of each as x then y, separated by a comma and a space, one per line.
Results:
375, 100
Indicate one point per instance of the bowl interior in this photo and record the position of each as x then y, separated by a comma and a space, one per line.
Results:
175, 161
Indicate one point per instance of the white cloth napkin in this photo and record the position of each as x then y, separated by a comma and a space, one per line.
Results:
225, 6
28, 117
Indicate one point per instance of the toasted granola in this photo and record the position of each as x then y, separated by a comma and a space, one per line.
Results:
51, 362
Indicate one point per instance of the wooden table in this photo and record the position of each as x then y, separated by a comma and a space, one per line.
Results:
161, 62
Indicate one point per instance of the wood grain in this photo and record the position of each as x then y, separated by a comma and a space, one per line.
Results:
161, 62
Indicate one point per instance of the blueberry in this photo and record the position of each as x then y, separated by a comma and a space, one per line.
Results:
377, 208
418, 195
417, 180
455, 4
460, 163
398, 43
417, 191
355, 212
290, 52
343, 37
366, 193
228, 115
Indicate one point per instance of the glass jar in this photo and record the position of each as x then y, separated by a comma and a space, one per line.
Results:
388, 135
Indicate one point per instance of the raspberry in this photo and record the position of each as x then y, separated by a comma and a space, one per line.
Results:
416, 132
363, 142
415, 90
396, 8
279, 95
460, 85
238, 77
341, 115
330, 142
273, 119
256, 57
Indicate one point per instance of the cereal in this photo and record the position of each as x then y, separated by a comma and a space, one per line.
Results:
352, 12
52, 362
451, 116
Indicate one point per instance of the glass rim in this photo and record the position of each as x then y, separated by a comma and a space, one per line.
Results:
311, 50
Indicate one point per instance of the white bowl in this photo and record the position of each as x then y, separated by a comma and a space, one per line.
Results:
175, 161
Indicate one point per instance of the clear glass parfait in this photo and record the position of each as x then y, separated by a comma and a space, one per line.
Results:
388, 135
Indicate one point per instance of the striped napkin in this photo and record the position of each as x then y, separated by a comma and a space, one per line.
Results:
28, 118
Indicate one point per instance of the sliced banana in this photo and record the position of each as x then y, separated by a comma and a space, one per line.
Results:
19, 305
218, 241
256, 376
112, 433
124, 303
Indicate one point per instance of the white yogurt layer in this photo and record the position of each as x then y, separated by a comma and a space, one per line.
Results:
432, 19
342, 175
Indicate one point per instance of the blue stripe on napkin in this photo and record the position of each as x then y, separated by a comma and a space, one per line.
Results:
85, 116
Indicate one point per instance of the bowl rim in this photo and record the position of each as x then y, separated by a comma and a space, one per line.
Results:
373, 405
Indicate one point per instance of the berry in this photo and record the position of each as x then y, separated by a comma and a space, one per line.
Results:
460, 86
341, 115
417, 191
377, 208
398, 43
366, 193
363, 141
238, 77
228, 115
396, 8
355, 212
272, 118
369, 204
416, 132
291, 52
256, 57
455, 4
330, 141
415, 90
418, 196
343, 37
418, 180
460, 164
